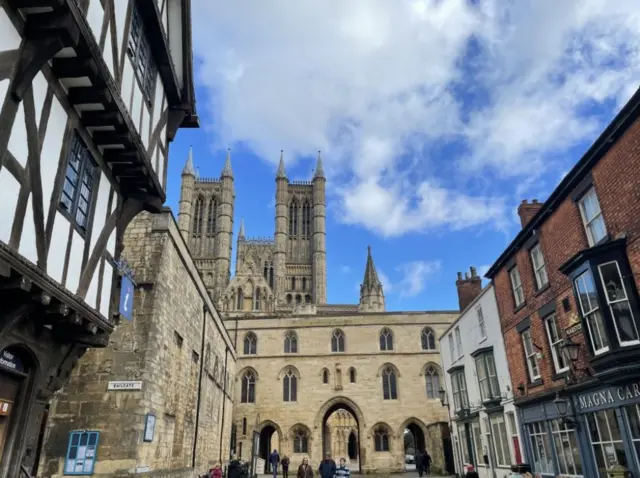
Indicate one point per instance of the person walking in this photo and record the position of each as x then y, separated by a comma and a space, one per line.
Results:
216, 471
426, 462
304, 470
285, 466
471, 472
343, 470
327, 467
418, 459
274, 459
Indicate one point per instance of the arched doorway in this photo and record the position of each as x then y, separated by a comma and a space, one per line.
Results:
341, 425
269, 440
414, 441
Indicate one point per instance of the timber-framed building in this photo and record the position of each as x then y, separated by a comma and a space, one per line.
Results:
91, 94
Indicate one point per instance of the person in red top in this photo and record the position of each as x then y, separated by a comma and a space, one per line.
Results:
216, 471
471, 472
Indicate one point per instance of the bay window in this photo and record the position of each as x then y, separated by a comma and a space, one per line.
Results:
618, 303
590, 309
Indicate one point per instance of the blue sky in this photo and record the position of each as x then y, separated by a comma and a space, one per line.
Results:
435, 118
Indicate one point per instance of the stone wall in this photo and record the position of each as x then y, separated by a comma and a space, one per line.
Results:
178, 347
363, 397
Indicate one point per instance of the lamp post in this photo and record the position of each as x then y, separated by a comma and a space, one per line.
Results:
443, 396
570, 349
562, 407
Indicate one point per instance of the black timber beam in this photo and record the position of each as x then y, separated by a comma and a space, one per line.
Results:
98, 119
85, 95
76, 67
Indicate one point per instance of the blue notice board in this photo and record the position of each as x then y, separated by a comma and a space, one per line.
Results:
81, 452
126, 298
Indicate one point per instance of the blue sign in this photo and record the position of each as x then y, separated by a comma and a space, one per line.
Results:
126, 298
10, 361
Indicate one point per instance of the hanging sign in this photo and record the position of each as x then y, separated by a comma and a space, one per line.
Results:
11, 361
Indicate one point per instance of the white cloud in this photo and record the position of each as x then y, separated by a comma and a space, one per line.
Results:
383, 88
387, 285
415, 276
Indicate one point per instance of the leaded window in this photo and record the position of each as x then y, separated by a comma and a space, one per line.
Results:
386, 340
389, 384
290, 342
428, 339
300, 442
139, 51
432, 382
306, 219
80, 176
381, 439
290, 387
211, 217
248, 393
293, 218
198, 215
337, 341
250, 344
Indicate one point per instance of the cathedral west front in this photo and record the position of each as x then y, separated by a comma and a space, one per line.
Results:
311, 376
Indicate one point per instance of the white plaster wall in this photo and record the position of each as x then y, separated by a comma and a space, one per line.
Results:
472, 340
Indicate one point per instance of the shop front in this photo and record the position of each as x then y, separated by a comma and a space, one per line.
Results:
609, 421
551, 440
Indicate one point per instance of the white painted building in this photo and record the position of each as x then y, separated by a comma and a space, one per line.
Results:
91, 94
484, 423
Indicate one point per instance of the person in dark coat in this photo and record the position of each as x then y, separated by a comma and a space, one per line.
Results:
274, 459
417, 458
426, 462
327, 467
305, 470
285, 466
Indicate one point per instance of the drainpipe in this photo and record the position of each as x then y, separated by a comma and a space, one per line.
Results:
198, 398
224, 401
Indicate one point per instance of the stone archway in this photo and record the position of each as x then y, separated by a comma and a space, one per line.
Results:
343, 403
267, 430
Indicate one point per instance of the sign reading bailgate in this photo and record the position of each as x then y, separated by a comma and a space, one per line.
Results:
609, 396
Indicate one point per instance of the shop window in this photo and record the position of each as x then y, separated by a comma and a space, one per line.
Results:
606, 441
633, 414
81, 453
566, 444
542, 459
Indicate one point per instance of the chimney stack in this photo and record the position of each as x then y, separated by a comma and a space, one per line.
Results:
527, 210
468, 288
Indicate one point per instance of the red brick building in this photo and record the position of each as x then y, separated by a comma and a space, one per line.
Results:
567, 292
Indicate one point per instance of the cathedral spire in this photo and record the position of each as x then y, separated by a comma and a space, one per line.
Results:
319, 174
371, 294
188, 167
281, 172
227, 171
241, 232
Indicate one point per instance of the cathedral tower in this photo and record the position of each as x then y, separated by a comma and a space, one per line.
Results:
371, 294
206, 223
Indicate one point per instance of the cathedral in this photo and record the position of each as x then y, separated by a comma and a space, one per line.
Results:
313, 377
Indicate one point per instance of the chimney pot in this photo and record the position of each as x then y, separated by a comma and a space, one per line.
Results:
524, 201
466, 275
473, 272
469, 288
459, 275
535, 201
527, 211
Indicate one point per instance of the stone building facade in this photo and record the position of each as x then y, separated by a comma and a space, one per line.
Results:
567, 292
176, 348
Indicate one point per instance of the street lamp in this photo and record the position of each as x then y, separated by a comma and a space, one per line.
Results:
562, 407
570, 349
443, 396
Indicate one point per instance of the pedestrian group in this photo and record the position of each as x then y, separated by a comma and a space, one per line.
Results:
327, 468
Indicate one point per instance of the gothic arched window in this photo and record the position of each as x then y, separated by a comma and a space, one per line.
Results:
381, 439
432, 381
304, 283
306, 219
300, 442
386, 339
389, 384
289, 299
256, 299
250, 344
265, 272
290, 387
293, 283
211, 217
198, 212
428, 339
298, 299
337, 341
239, 299
325, 376
352, 375
307, 299
290, 342
293, 218
248, 393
